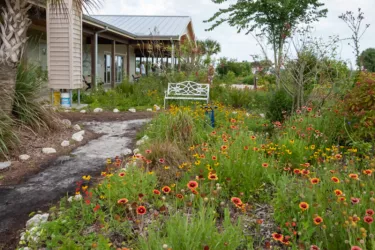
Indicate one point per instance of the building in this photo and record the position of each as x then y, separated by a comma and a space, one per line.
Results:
102, 48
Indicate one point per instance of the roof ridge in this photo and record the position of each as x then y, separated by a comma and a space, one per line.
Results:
143, 15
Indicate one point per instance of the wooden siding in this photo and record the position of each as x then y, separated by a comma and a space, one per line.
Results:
64, 41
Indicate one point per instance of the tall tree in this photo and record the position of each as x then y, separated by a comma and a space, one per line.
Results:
355, 25
209, 48
275, 19
14, 23
367, 59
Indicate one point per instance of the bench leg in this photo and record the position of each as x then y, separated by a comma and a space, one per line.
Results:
165, 101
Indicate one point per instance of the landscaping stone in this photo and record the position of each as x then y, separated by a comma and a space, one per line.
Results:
77, 127
5, 165
156, 107
78, 136
65, 144
262, 115
83, 111
37, 220
98, 110
116, 111
149, 110
48, 151
127, 151
24, 157
133, 110
66, 122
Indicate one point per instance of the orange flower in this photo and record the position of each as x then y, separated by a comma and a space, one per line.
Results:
367, 172
338, 156
356, 248
141, 210
338, 192
368, 219
236, 201
335, 179
296, 171
355, 200
314, 247
122, 174
192, 184
305, 172
314, 181
265, 165
224, 147
157, 192
318, 220
122, 201
179, 196
246, 148
277, 237
304, 206
353, 176
370, 212
166, 189
212, 176
253, 137
214, 158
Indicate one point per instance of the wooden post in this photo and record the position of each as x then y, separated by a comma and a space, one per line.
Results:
113, 64
93, 66
128, 62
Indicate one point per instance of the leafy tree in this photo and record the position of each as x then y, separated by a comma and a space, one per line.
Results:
275, 19
355, 25
367, 59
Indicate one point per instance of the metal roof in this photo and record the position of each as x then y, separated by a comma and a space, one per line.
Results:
148, 26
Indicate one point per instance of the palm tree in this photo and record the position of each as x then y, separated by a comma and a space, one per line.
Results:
14, 23
209, 48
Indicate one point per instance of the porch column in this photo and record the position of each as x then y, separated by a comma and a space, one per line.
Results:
93, 61
128, 61
113, 64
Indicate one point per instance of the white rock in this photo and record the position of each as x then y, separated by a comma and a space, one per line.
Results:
149, 110
65, 144
156, 107
66, 122
66, 110
127, 151
5, 165
247, 114
136, 151
48, 151
77, 127
78, 136
262, 115
70, 199
234, 112
132, 110
140, 142
24, 157
82, 132
116, 111
145, 138
82, 111
97, 110
37, 220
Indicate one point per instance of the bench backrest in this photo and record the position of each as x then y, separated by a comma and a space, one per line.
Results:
188, 88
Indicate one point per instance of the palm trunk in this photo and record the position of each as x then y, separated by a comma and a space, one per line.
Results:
13, 38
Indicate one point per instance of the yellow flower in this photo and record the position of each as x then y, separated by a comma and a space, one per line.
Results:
312, 147
109, 175
166, 167
291, 141
150, 173
173, 185
86, 177
216, 164
197, 163
102, 197
109, 161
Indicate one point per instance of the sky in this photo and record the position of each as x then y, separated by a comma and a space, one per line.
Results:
241, 46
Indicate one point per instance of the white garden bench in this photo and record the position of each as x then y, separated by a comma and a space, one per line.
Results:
187, 91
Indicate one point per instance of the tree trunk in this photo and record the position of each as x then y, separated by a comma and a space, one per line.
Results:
7, 86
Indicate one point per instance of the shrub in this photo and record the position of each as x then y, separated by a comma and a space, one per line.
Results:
248, 80
280, 105
26, 108
8, 138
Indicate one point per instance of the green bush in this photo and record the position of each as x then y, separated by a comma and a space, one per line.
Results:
248, 80
8, 138
280, 104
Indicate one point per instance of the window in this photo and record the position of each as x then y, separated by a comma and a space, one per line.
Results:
119, 68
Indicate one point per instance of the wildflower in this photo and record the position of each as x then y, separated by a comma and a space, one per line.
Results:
166, 189
212, 177
84, 187
214, 158
314, 247
224, 147
354, 200
353, 176
318, 220
314, 181
103, 174
304, 206
265, 165
338, 156
356, 248
148, 151
367, 172
368, 219
291, 141
370, 212
236, 201
338, 192
166, 167
305, 172
277, 237
161, 160
296, 171
246, 148
309, 109
312, 147
192, 184
86, 177
122, 201
122, 174
253, 137
179, 196
213, 133
335, 179
96, 208
141, 210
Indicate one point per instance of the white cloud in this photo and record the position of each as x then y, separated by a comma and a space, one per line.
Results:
240, 46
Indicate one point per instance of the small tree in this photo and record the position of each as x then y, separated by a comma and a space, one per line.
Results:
274, 19
209, 48
367, 59
355, 25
